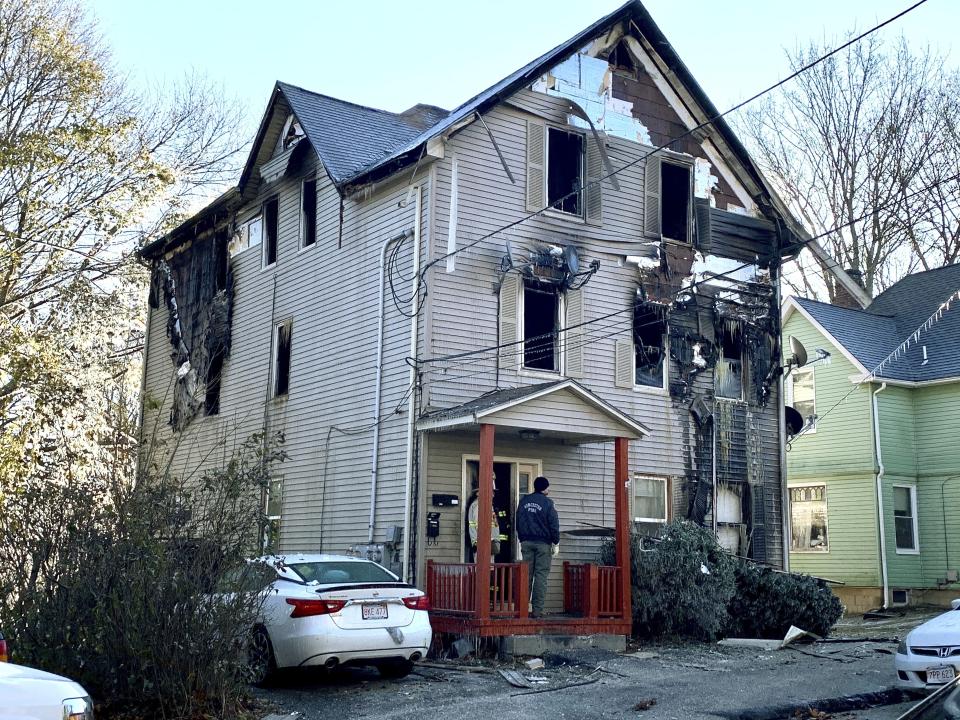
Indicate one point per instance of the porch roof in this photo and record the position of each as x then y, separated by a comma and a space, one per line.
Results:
562, 409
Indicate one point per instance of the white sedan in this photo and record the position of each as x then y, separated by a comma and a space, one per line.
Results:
332, 610
929, 656
29, 694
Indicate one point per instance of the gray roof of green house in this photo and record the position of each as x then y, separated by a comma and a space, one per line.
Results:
870, 335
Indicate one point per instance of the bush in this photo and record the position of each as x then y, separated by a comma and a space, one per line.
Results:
108, 583
767, 603
672, 595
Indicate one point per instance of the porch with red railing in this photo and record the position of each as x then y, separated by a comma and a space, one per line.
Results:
592, 600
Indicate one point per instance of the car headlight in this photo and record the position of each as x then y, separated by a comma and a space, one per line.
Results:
77, 709
902, 647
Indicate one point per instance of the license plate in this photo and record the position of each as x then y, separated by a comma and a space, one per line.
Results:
940, 675
374, 611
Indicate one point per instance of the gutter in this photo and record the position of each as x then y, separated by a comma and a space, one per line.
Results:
375, 452
880, 473
412, 401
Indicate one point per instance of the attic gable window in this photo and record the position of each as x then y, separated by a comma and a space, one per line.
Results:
541, 326
271, 230
564, 170
282, 335
308, 213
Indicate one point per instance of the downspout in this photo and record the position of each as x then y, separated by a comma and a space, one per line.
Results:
782, 436
880, 473
375, 452
412, 401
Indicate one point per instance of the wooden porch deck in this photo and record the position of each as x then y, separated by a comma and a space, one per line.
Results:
591, 594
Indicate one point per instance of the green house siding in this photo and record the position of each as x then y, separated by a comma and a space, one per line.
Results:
919, 431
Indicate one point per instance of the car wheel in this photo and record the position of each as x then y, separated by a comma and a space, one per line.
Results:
260, 661
395, 669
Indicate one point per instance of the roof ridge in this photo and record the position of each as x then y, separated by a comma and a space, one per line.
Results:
340, 100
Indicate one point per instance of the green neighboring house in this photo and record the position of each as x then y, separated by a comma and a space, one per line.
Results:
874, 481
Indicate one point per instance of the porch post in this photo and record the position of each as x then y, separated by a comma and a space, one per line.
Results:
484, 521
622, 511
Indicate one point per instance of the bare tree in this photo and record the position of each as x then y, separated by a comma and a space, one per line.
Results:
864, 148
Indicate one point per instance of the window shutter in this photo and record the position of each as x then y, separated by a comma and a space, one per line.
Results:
701, 209
651, 197
509, 330
573, 339
536, 161
594, 190
624, 364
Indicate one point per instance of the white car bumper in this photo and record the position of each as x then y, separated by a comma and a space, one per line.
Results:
315, 640
912, 670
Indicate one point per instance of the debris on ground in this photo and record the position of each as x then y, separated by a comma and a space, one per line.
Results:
756, 643
645, 704
642, 655
515, 678
461, 648
534, 664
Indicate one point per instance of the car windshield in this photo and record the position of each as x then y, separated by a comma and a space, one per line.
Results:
341, 572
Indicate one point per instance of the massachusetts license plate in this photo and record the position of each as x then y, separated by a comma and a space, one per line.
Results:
378, 611
940, 675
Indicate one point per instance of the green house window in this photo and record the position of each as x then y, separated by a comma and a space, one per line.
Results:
808, 519
905, 517
803, 396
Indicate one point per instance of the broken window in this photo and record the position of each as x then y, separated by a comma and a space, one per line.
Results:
541, 326
281, 358
271, 219
649, 345
728, 374
308, 213
801, 392
905, 517
675, 201
564, 170
808, 519
650, 501
211, 396
248, 234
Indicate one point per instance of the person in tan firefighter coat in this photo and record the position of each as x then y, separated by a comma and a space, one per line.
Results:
473, 514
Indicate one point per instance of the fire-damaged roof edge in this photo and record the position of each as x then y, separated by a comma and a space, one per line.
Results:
194, 225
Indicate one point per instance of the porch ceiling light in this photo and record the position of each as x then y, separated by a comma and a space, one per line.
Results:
527, 434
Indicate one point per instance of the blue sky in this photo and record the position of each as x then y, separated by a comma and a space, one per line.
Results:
393, 55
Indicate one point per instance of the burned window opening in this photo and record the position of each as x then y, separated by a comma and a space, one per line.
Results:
541, 326
281, 358
564, 170
675, 201
728, 373
196, 286
211, 398
649, 344
271, 230
308, 213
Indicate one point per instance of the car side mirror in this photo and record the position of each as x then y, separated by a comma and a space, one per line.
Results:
955, 604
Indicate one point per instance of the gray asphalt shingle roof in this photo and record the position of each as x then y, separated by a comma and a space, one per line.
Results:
893, 316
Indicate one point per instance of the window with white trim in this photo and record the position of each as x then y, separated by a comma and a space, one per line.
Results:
565, 151
282, 347
808, 519
650, 499
308, 212
274, 512
802, 396
248, 234
649, 346
905, 517
271, 231
541, 323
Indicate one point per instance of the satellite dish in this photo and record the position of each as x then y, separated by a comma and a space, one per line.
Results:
798, 353
573, 258
794, 420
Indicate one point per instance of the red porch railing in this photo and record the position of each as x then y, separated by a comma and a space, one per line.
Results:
592, 590
452, 588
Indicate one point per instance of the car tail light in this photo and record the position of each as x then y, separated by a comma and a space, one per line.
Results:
4, 652
308, 607
417, 602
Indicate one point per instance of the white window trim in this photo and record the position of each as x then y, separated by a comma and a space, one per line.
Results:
915, 550
301, 225
274, 357
788, 396
826, 520
524, 371
666, 498
665, 388
551, 211
515, 464
243, 226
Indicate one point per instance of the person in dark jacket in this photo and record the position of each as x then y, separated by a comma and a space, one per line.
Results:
538, 529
